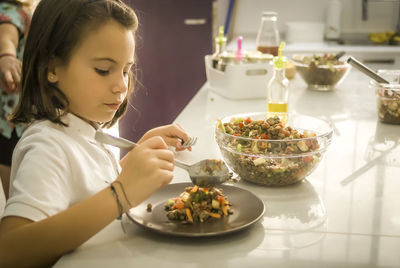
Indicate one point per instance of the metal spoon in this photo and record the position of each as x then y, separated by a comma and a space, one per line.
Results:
366, 70
371, 73
205, 173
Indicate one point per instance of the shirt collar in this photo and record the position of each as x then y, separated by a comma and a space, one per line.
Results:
80, 126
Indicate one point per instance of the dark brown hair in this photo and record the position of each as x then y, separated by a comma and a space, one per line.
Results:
57, 28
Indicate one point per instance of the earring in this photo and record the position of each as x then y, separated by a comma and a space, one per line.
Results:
52, 78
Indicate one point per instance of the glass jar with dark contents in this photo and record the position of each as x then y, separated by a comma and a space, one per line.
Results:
268, 39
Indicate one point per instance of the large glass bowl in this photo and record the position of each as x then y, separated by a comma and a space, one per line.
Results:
320, 77
273, 162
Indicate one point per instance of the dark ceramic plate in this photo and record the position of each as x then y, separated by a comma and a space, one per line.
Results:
247, 210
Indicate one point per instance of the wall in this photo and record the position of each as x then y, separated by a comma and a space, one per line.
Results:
382, 14
172, 39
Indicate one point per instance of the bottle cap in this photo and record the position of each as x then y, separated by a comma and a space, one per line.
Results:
221, 38
279, 62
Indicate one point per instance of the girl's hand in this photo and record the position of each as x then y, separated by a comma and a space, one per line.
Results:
10, 73
173, 135
146, 168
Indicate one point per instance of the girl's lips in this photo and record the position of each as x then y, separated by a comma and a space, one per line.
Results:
114, 106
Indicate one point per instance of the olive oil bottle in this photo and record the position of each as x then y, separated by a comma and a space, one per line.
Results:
278, 89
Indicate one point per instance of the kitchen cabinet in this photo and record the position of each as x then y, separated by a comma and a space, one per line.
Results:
172, 40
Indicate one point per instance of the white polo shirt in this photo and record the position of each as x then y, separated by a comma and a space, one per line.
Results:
55, 167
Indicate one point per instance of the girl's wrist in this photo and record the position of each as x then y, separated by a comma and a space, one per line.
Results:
120, 189
121, 198
121, 209
7, 55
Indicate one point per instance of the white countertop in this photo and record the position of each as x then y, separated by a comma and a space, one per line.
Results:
322, 222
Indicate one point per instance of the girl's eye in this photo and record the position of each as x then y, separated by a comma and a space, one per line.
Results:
102, 72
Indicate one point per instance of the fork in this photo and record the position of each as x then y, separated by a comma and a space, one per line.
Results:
206, 172
190, 142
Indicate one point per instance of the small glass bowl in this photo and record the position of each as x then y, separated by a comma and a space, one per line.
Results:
321, 77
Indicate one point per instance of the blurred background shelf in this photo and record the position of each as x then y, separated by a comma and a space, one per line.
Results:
173, 37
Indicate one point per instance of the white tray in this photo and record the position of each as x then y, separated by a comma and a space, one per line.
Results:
239, 81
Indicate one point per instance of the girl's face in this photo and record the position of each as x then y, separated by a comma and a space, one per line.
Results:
95, 80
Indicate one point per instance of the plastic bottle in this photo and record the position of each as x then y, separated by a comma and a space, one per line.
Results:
278, 89
220, 46
268, 34
333, 19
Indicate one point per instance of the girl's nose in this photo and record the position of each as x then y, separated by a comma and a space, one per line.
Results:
121, 84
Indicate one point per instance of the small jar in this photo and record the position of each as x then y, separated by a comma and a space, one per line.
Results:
258, 57
266, 58
252, 56
388, 97
226, 58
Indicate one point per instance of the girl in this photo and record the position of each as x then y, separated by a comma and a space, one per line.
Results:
14, 24
76, 79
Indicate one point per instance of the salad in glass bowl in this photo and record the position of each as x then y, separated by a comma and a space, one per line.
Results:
321, 72
267, 151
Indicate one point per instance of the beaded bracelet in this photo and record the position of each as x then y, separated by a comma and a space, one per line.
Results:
7, 55
120, 207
